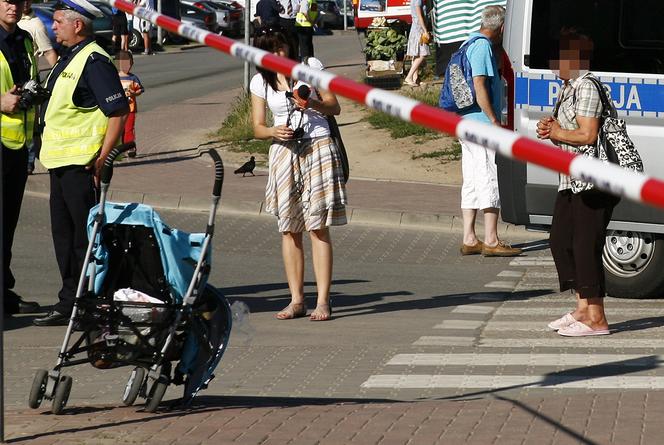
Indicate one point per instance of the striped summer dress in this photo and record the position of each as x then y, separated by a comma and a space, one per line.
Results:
454, 20
305, 188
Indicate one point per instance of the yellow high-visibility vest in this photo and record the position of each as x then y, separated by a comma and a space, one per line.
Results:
308, 20
72, 135
16, 128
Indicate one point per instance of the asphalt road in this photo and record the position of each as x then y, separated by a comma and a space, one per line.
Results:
172, 77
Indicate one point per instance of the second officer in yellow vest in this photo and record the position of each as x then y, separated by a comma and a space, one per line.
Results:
81, 123
17, 67
304, 24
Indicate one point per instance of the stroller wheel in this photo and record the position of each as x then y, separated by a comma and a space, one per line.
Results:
38, 388
133, 386
62, 391
156, 394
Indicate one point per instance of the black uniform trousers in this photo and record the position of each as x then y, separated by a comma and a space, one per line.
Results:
288, 25
305, 35
578, 234
14, 177
73, 194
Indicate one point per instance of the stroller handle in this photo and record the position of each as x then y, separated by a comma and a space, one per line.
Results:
107, 169
218, 172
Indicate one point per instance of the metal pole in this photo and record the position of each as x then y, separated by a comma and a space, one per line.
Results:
2, 304
247, 26
160, 31
345, 18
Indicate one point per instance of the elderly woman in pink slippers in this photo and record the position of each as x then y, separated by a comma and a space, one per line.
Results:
581, 212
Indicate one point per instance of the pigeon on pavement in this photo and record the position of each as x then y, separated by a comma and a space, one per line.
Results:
247, 167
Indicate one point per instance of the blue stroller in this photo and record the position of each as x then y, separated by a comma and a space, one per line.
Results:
143, 301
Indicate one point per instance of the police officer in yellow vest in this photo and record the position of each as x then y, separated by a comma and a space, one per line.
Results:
80, 124
304, 23
17, 66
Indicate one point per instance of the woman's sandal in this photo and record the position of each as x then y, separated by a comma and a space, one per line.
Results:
323, 312
293, 310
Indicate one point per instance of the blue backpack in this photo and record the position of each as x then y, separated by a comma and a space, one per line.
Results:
458, 91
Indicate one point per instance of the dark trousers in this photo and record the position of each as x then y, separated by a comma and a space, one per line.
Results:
288, 25
72, 196
14, 177
305, 35
578, 233
444, 53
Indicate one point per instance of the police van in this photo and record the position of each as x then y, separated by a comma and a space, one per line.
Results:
629, 58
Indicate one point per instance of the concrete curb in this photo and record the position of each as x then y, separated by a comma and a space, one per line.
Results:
364, 216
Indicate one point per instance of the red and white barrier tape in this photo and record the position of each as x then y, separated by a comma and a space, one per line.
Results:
608, 177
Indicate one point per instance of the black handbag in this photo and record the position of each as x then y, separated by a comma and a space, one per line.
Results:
613, 138
335, 135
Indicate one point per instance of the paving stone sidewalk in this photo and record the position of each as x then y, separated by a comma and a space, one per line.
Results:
631, 418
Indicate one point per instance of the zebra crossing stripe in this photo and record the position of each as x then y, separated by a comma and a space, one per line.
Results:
556, 341
445, 341
531, 359
532, 261
473, 309
558, 311
501, 284
459, 324
512, 381
552, 341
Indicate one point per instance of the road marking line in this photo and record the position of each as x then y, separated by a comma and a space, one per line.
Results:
536, 261
473, 309
511, 273
557, 311
606, 341
518, 381
501, 284
533, 359
459, 324
447, 341
487, 297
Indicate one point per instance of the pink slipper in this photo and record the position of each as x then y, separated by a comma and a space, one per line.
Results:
562, 322
578, 329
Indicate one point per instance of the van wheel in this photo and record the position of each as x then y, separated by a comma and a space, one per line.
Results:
633, 263
135, 40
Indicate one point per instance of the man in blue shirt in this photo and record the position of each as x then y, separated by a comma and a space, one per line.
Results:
480, 177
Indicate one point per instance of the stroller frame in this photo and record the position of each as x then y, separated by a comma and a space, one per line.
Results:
52, 385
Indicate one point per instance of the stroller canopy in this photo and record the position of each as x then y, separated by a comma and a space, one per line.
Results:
179, 251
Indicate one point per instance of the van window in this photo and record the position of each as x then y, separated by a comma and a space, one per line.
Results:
628, 34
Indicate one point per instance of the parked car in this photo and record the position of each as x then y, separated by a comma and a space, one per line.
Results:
329, 15
102, 26
187, 14
230, 15
200, 9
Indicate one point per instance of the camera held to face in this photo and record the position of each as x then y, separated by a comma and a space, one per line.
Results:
32, 94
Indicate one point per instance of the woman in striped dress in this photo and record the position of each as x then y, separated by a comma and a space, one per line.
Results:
305, 189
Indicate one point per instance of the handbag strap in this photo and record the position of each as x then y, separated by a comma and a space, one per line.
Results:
607, 105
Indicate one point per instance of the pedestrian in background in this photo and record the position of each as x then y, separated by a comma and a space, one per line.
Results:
287, 24
43, 48
418, 42
267, 12
581, 213
81, 122
145, 27
120, 29
479, 190
452, 23
133, 88
304, 24
305, 189
17, 66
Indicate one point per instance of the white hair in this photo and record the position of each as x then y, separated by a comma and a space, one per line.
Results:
493, 17
73, 15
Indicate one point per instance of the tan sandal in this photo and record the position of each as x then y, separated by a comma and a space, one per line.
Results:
293, 310
323, 312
